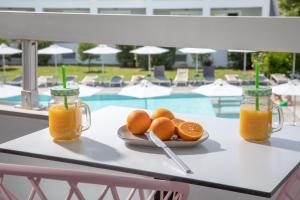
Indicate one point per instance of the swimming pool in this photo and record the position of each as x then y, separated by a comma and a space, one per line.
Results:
180, 103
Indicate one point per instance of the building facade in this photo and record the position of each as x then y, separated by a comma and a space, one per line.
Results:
263, 8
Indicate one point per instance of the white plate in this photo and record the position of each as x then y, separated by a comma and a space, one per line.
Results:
129, 138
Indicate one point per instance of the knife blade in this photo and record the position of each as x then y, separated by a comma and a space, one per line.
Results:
153, 138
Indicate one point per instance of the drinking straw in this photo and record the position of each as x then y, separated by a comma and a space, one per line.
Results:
257, 85
63, 73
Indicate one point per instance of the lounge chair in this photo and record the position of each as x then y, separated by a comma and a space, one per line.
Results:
71, 78
279, 78
197, 79
135, 79
3, 79
89, 80
233, 79
159, 76
17, 81
45, 81
208, 74
182, 77
116, 80
263, 80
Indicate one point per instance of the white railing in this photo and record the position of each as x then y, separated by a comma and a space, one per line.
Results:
256, 33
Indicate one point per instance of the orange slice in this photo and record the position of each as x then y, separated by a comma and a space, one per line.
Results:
176, 123
190, 131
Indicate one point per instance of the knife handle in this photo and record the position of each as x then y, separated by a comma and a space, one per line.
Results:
178, 161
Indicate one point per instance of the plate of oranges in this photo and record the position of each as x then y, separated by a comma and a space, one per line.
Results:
175, 132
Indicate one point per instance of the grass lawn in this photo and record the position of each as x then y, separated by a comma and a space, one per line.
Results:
81, 71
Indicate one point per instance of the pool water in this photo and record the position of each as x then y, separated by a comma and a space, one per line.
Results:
180, 103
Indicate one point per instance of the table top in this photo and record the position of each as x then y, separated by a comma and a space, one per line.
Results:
224, 161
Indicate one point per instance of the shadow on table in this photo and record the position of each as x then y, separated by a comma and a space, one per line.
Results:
209, 146
283, 144
91, 149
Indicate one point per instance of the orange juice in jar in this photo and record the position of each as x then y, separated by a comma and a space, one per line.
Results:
65, 114
256, 113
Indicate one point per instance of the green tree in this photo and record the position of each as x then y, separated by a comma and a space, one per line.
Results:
125, 58
5, 41
83, 56
236, 60
44, 59
289, 7
274, 62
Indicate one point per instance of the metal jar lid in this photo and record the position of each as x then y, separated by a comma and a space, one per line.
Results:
258, 92
60, 91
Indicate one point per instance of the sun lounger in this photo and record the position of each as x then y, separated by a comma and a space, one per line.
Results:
44, 81
3, 79
159, 76
263, 80
197, 79
182, 77
71, 79
116, 80
279, 78
89, 80
17, 81
233, 79
208, 74
135, 79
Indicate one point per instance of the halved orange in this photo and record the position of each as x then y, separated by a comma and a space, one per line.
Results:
190, 131
176, 123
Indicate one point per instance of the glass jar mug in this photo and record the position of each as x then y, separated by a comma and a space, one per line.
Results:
256, 114
66, 113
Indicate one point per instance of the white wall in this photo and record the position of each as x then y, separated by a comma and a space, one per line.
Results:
148, 7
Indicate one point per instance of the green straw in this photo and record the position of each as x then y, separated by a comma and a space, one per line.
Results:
63, 73
257, 85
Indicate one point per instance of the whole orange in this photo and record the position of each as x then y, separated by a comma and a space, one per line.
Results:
162, 112
163, 128
138, 122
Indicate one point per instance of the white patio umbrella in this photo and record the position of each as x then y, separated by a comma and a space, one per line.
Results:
9, 91
291, 88
149, 50
245, 55
55, 50
102, 49
6, 50
144, 90
84, 91
196, 51
219, 89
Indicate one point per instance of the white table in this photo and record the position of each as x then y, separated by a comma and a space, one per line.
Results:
224, 161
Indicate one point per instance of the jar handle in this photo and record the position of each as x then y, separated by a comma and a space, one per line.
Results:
85, 107
278, 109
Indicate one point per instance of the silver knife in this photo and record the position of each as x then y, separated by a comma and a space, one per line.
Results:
152, 137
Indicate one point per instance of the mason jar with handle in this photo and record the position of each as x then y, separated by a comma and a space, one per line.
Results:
256, 114
66, 113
